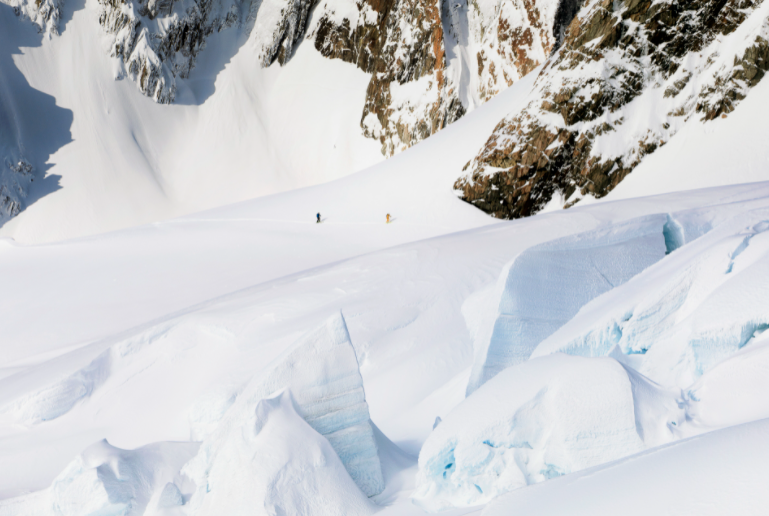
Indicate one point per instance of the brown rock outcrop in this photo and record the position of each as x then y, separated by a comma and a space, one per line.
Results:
571, 137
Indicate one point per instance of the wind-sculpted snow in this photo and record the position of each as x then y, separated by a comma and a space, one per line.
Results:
710, 475
106, 480
546, 285
269, 461
322, 372
534, 421
682, 316
628, 77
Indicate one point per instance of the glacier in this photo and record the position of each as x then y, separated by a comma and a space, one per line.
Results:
272, 462
546, 285
687, 313
321, 370
533, 421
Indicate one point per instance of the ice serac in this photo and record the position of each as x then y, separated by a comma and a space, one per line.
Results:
682, 317
546, 286
108, 480
321, 371
270, 461
532, 422
588, 124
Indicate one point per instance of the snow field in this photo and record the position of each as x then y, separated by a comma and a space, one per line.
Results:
412, 313
213, 350
712, 474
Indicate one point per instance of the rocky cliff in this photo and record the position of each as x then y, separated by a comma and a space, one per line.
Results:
628, 75
430, 61
15, 178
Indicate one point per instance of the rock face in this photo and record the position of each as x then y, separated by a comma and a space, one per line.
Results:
432, 61
159, 40
43, 13
401, 43
15, 179
619, 59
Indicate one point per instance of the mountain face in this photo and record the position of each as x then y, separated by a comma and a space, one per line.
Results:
629, 74
430, 61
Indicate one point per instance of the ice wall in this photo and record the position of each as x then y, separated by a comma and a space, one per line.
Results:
269, 461
321, 370
682, 317
548, 284
534, 421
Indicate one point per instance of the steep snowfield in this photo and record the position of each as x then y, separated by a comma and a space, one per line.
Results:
723, 151
237, 131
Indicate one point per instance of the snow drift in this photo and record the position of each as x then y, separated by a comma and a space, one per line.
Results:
710, 475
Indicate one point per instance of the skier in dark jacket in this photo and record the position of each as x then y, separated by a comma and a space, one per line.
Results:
318, 221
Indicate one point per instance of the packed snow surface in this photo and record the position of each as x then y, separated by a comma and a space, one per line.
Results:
709, 475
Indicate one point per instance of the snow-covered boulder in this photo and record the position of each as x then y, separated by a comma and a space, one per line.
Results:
322, 372
547, 284
534, 421
273, 462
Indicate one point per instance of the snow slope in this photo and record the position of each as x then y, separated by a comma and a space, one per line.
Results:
713, 474
131, 161
723, 151
85, 375
153, 334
